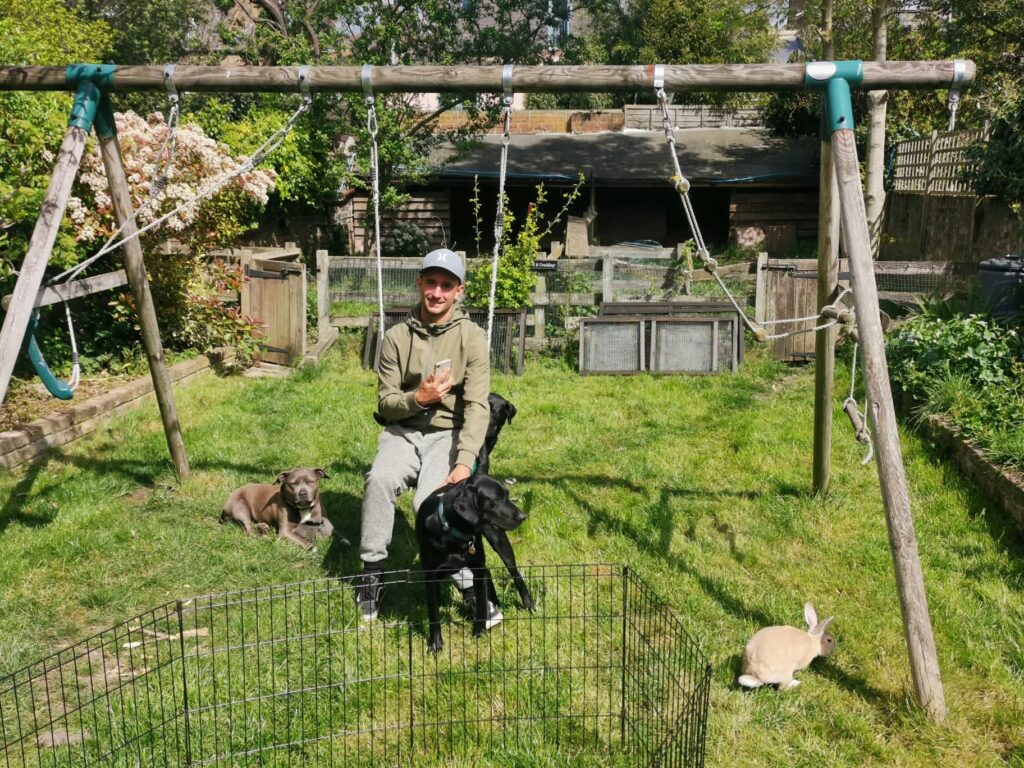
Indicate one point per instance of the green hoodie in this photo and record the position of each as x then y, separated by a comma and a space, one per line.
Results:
407, 357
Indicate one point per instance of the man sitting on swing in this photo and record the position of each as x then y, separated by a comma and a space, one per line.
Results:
433, 381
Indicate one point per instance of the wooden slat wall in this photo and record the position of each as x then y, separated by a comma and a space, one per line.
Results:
765, 209
428, 210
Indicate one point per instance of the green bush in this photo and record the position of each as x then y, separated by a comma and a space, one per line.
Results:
969, 369
519, 248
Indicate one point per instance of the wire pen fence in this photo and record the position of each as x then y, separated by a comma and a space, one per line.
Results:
602, 672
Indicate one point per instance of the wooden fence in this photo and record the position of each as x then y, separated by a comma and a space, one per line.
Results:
937, 165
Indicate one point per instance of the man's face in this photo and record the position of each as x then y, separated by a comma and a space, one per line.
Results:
438, 291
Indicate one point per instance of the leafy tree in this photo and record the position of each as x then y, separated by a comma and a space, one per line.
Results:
392, 32
149, 32
32, 124
678, 32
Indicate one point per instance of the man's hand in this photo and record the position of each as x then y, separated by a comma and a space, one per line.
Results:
457, 475
434, 388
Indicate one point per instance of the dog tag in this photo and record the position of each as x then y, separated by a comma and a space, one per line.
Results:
472, 549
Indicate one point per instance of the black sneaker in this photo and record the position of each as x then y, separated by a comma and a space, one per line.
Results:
368, 594
494, 617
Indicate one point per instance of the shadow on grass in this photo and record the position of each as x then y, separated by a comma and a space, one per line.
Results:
657, 538
1006, 533
12, 511
136, 471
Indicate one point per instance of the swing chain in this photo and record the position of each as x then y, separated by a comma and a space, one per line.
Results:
372, 126
953, 100
165, 158
499, 215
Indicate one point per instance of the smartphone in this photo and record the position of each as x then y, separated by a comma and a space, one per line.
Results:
440, 365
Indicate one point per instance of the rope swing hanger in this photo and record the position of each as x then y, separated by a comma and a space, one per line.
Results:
682, 186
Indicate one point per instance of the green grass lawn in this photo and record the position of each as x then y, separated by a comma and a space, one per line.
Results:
702, 484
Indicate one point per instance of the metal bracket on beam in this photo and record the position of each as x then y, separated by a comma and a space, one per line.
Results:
834, 78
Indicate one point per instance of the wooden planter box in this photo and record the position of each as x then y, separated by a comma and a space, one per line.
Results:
31, 442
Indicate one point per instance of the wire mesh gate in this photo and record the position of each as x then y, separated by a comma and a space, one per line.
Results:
603, 672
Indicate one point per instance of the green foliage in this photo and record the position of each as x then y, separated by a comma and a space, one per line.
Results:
677, 32
1000, 161
967, 367
149, 32
518, 250
403, 238
32, 124
307, 163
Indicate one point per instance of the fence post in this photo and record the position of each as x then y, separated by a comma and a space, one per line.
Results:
244, 297
607, 278
622, 710
184, 682
539, 312
323, 295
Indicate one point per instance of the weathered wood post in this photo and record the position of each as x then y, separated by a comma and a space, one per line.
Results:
608, 278
835, 77
323, 294
828, 274
30, 276
135, 267
825, 339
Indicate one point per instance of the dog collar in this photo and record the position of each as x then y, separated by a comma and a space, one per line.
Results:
447, 527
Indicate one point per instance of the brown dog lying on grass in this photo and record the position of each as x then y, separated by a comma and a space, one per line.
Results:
292, 500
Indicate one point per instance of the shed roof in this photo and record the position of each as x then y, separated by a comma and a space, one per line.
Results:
707, 156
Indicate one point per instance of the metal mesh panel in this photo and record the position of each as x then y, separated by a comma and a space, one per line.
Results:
688, 347
694, 345
602, 673
355, 279
611, 345
661, 279
924, 278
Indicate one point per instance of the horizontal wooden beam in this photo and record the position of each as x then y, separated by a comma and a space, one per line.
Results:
476, 79
75, 289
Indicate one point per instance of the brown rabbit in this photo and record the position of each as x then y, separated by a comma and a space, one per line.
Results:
775, 653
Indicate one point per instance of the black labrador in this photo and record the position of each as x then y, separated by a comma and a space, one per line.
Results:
501, 413
451, 526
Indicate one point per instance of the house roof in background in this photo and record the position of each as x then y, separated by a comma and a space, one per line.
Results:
707, 156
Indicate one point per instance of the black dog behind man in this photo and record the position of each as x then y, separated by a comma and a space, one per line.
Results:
502, 412
451, 526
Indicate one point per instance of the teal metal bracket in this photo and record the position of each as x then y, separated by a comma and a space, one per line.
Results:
835, 78
105, 126
89, 82
100, 75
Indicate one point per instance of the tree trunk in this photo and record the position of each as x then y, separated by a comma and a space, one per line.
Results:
874, 193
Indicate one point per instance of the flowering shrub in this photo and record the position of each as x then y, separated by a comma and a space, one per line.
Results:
198, 163
186, 290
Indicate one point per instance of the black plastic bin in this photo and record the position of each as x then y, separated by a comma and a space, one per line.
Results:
1002, 283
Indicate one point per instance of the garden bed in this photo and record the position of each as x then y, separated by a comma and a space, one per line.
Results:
72, 419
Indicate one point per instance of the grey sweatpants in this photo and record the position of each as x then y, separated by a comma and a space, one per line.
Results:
404, 456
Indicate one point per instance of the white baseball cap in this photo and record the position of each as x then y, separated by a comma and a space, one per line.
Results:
445, 259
